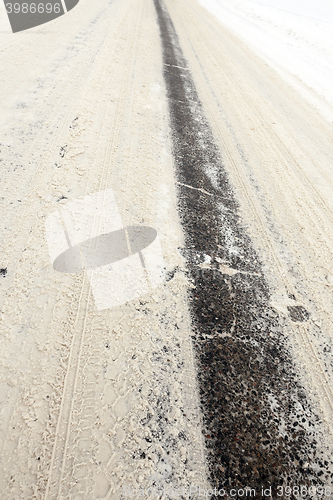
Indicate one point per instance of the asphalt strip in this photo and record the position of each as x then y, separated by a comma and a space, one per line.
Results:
260, 429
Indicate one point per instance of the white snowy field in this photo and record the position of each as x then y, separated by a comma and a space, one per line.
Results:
293, 36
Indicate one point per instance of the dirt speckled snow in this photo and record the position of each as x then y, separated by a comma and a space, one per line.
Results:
277, 151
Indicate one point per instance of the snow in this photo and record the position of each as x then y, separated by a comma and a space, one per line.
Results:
84, 111
294, 36
4, 21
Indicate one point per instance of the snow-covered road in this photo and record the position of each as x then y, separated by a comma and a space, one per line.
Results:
222, 375
83, 391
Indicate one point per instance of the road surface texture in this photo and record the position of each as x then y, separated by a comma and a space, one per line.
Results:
221, 377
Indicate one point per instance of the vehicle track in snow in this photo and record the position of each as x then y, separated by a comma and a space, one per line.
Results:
60, 450
283, 185
249, 440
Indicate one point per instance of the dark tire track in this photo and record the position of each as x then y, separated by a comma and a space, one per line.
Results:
259, 427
